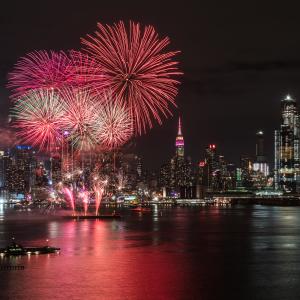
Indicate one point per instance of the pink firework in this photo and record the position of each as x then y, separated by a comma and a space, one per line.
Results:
137, 69
41, 70
69, 194
113, 124
38, 117
79, 120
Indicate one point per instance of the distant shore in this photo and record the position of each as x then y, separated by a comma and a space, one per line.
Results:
278, 201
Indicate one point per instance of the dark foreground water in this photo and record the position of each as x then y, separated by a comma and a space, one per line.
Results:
241, 252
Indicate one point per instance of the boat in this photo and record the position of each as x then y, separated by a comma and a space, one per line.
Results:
141, 209
16, 249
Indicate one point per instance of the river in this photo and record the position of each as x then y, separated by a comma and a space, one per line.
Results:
238, 252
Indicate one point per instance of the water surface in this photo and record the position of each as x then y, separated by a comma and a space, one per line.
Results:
240, 252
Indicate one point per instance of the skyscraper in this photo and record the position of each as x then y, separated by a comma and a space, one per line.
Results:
215, 173
177, 162
179, 143
212, 165
2, 169
177, 177
260, 164
246, 167
20, 169
286, 164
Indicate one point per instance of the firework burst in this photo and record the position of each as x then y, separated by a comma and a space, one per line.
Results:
86, 72
79, 120
137, 70
41, 70
38, 116
113, 124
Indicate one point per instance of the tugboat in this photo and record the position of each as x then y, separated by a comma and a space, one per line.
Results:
16, 249
141, 209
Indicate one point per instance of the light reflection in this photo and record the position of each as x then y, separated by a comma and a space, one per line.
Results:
155, 213
53, 229
2, 206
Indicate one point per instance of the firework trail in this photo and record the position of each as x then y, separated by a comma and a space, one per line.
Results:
84, 195
38, 116
8, 137
41, 70
99, 187
137, 69
70, 195
122, 180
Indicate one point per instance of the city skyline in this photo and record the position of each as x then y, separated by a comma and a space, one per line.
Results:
149, 150
10, 141
246, 88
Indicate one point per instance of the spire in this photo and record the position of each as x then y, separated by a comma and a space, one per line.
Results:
179, 127
179, 141
289, 98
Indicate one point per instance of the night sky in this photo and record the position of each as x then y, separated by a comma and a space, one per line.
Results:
239, 59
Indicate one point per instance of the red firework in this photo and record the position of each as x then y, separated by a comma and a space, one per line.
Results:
41, 70
86, 72
38, 117
137, 69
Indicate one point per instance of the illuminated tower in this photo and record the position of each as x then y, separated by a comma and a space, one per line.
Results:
286, 167
179, 141
180, 168
260, 163
211, 160
260, 155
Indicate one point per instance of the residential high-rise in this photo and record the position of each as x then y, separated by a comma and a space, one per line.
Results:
286, 164
20, 170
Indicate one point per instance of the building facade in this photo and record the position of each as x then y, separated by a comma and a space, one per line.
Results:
286, 164
20, 169
260, 164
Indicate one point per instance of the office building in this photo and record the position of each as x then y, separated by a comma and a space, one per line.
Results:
286, 164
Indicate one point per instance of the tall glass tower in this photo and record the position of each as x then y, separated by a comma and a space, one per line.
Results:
286, 167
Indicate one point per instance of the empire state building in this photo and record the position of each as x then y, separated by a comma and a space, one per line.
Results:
179, 143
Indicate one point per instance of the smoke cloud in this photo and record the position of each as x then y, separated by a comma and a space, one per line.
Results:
8, 137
